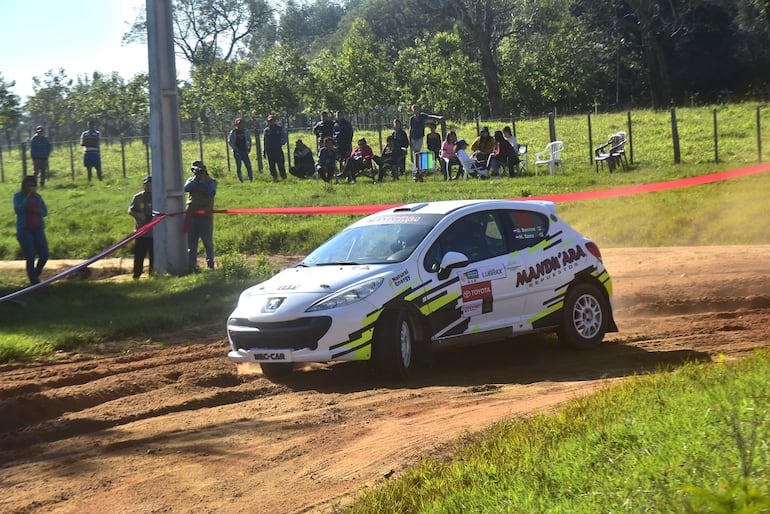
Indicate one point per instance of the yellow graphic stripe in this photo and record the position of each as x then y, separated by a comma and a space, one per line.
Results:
546, 312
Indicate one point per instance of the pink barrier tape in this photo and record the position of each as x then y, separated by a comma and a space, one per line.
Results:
138, 233
370, 209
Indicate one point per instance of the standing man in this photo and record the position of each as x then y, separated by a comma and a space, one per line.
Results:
240, 142
200, 225
417, 128
40, 150
274, 138
141, 210
323, 129
89, 140
343, 138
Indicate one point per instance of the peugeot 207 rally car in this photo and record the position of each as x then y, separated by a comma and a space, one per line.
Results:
424, 276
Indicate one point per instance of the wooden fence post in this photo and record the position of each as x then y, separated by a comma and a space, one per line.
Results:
716, 137
2, 166
675, 137
759, 135
552, 126
590, 141
630, 128
123, 153
23, 159
72, 160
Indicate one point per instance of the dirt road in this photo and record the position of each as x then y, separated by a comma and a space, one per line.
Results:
179, 430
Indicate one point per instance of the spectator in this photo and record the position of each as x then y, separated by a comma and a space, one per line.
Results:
343, 138
240, 142
401, 140
30, 227
449, 156
92, 158
274, 139
327, 160
304, 165
200, 218
40, 150
417, 127
466, 161
141, 210
392, 159
360, 159
503, 154
433, 140
323, 129
511, 138
483, 146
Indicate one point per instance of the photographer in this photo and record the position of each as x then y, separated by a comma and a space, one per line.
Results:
200, 220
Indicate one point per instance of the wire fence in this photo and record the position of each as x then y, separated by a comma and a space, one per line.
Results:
120, 153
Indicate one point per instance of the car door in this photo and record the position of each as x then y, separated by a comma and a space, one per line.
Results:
479, 295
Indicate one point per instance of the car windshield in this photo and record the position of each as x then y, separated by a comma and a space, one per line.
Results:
382, 240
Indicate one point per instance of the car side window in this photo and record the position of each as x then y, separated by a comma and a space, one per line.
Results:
478, 236
527, 228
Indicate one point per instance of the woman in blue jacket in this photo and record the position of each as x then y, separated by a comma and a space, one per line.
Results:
30, 227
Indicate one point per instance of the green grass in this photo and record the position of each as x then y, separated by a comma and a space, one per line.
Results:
689, 440
86, 218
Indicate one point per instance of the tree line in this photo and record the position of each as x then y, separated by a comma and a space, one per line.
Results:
462, 58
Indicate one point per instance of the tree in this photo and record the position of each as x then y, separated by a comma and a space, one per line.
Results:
10, 107
365, 71
437, 74
209, 30
51, 104
485, 23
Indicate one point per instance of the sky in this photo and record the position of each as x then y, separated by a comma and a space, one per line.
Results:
79, 37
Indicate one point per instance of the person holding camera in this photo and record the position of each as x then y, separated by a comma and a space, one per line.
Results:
199, 216
30, 227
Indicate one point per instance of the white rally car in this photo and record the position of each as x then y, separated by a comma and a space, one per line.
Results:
421, 277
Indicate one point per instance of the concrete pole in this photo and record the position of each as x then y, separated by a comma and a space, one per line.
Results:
170, 243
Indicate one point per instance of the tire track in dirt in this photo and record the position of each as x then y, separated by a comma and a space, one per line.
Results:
178, 429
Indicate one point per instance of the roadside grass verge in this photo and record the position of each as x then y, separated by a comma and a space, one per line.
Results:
73, 315
693, 439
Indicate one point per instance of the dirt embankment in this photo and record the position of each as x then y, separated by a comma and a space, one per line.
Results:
180, 430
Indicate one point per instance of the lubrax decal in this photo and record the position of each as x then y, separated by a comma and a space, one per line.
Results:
270, 356
563, 259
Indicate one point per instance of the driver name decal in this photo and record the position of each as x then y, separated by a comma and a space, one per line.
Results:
477, 298
551, 266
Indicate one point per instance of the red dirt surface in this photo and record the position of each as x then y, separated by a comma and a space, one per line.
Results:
180, 429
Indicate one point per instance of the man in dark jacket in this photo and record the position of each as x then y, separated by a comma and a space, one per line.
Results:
240, 141
274, 137
343, 138
40, 150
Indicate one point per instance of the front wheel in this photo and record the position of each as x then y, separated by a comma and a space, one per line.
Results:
585, 317
276, 370
394, 344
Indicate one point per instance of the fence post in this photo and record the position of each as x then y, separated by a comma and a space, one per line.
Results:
675, 136
630, 138
590, 141
716, 137
759, 135
146, 141
2, 166
200, 141
552, 126
123, 154
23, 159
72, 160
227, 153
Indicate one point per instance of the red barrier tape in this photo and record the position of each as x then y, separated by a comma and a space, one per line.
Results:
370, 209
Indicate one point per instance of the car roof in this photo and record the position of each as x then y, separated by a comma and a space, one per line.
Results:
447, 206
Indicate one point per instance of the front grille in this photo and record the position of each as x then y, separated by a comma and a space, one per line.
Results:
283, 335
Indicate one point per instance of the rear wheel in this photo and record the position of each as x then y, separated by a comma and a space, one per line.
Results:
585, 317
277, 370
394, 344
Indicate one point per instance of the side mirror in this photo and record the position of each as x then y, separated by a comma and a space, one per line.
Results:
450, 261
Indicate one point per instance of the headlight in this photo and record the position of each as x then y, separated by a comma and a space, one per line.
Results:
347, 296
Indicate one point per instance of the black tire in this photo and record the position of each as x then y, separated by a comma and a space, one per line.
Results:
584, 317
276, 370
394, 344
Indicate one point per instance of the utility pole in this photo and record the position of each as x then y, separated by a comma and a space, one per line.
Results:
169, 240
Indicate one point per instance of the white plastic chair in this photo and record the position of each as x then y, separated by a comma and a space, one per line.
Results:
550, 156
471, 167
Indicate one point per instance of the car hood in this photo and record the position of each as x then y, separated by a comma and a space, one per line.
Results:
320, 279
